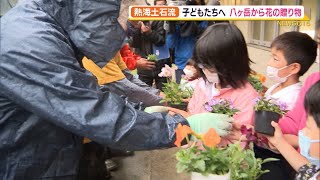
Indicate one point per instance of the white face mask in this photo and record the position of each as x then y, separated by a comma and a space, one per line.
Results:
211, 77
188, 73
272, 74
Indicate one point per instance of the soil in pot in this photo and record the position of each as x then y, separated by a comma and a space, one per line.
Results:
183, 106
262, 122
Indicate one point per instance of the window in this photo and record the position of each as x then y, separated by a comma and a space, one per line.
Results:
263, 32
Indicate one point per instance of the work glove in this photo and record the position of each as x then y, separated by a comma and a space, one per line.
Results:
156, 109
201, 123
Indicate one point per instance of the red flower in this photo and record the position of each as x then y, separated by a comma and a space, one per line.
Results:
248, 132
253, 137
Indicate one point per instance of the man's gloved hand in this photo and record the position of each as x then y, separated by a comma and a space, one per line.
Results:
154, 109
201, 123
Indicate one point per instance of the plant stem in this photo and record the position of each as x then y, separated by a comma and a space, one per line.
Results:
188, 140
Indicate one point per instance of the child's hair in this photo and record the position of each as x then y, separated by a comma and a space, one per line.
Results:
297, 47
195, 2
223, 47
155, 1
191, 62
312, 102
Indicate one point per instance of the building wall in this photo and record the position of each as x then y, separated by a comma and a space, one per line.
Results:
5, 5
260, 55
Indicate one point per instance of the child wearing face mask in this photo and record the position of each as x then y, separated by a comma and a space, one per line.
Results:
224, 66
191, 76
307, 163
292, 55
290, 125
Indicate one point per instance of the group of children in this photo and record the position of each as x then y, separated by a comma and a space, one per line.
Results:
220, 67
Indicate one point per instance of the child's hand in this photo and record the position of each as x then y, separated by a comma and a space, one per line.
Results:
277, 139
235, 133
272, 147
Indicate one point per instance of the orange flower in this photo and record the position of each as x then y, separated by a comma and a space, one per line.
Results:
262, 78
211, 138
181, 132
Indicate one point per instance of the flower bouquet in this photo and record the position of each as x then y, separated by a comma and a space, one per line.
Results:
266, 112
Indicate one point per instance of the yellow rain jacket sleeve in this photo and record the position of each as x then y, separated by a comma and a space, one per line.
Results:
111, 72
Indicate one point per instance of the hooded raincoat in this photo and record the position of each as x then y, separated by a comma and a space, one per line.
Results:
47, 101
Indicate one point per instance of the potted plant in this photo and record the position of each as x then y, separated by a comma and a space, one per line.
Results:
152, 57
186, 92
202, 158
222, 106
174, 95
267, 111
174, 92
222, 109
205, 160
243, 163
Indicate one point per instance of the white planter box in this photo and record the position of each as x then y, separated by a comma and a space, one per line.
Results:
198, 176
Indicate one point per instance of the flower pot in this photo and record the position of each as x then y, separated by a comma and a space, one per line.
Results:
262, 122
183, 106
198, 176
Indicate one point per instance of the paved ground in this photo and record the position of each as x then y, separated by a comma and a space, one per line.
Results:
149, 165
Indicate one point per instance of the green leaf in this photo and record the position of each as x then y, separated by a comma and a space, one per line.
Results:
269, 160
201, 165
152, 57
163, 100
181, 167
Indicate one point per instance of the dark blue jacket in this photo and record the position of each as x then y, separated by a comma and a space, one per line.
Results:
183, 39
48, 103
